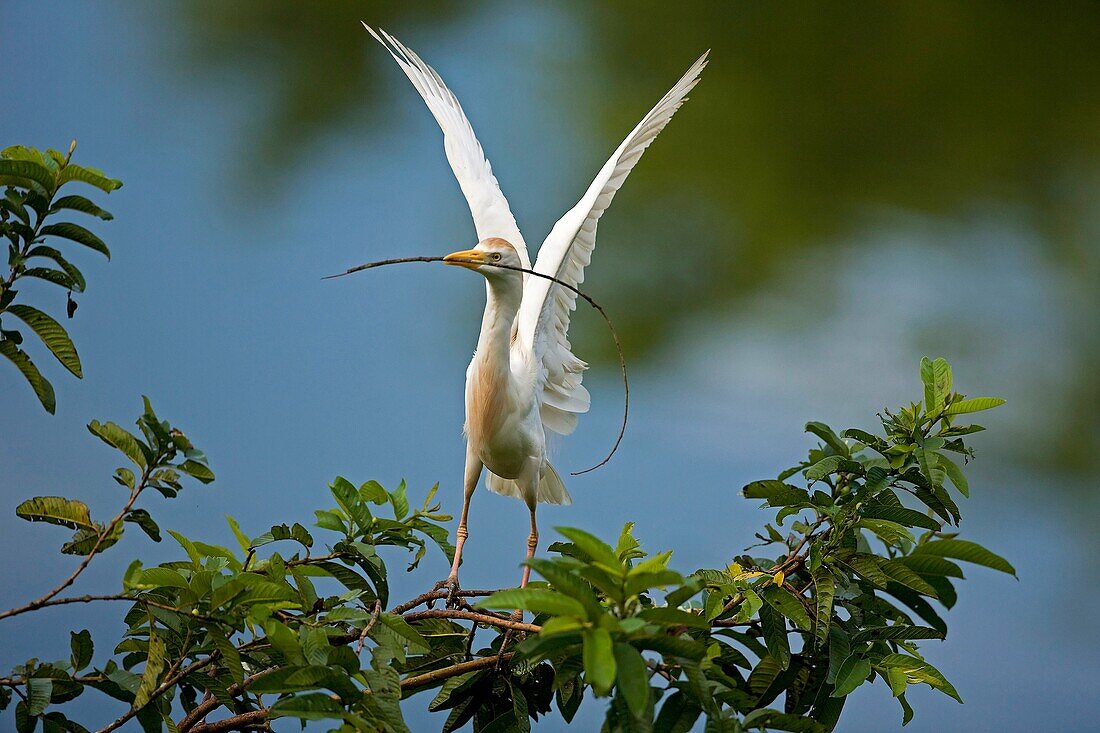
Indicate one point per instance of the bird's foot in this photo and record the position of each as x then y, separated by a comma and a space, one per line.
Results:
450, 584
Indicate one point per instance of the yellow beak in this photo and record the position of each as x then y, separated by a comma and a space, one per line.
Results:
469, 258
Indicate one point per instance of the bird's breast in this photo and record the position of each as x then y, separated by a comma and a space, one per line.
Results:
486, 403
497, 420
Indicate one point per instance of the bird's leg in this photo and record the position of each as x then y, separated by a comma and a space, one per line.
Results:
532, 544
472, 476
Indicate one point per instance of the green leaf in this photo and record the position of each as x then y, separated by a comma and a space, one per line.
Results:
89, 175
853, 672
824, 595
902, 515
231, 657
830, 465
831, 439
678, 714
75, 276
775, 635
764, 674
766, 718
52, 334
154, 665
242, 539
143, 519
80, 642
120, 438
600, 552
28, 171
917, 671
566, 582
632, 677
895, 633
197, 470
931, 565
966, 551
599, 660
892, 533
868, 568
280, 532
56, 510
954, 473
85, 539
310, 706
536, 600
81, 204
417, 643
785, 603
373, 492
39, 690
936, 376
896, 679
347, 497
57, 277
400, 502
974, 404
41, 386
767, 489
78, 234
902, 574
159, 577
667, 616
315, 646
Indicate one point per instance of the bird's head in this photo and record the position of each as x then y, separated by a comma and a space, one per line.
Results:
488, 252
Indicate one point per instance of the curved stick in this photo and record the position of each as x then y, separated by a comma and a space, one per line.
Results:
588, 299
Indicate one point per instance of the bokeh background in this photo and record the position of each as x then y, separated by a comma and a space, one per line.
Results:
850, 187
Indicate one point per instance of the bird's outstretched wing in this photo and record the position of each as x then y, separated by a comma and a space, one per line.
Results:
492, 217
544, 313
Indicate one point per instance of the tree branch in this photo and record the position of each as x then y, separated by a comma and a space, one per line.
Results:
447, 672
472, 616
242, 721
375, 615
194, 718
44, 600
436, 595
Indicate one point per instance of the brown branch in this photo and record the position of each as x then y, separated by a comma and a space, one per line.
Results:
480, 618
237, 722
121, 597
194, 718
14, 682
447, 672
375, 615
436, 595
43, 600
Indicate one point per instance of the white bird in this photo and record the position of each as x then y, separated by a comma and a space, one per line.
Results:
524, 378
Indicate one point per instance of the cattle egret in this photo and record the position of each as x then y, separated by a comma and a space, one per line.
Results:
524, 379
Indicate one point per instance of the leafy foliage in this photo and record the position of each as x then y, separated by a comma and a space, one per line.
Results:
300, 623
31, 181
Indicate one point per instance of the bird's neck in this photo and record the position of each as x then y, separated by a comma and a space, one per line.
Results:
502, 300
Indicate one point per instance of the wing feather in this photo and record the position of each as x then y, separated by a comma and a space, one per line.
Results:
489, 208
545, 311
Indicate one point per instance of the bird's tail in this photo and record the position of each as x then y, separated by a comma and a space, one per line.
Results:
551, 488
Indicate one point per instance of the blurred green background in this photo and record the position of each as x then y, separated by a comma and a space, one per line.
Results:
850, 187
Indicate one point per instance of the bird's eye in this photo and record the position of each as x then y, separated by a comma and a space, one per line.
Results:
496, 257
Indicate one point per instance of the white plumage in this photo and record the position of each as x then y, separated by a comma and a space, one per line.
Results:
524, 378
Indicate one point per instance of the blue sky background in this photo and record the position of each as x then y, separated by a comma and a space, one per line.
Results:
213, 306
